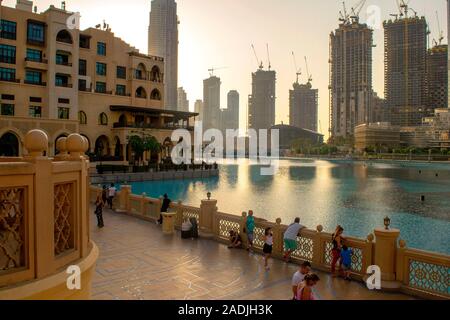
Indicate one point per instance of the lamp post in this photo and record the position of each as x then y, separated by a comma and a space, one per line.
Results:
208, 195
387, 222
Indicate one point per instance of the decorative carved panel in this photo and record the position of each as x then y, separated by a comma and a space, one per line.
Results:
63, 214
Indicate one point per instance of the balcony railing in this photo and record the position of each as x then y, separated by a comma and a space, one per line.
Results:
103, 91
118, 125
10, 80
36, 60
64, 85
62, 63
35, 83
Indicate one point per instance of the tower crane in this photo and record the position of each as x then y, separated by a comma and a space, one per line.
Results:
307, 71
260, 63
441, 34
356, 10
344, 17
268, 56
211, 71
298, 71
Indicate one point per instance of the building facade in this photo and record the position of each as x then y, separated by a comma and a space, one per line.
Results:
65, 81
405, 47
198, 108
437, 79
288, 134
211, 103
163, 42
381, 135
261, 103
230, 115
303, 106
379, 112
183, 102
350, 77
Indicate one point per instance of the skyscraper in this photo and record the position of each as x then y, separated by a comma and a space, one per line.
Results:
163, 42
405, 50
211, 103
198, 108
303, 106
183, 102
230, 115
437, 79
350, 77
261, 103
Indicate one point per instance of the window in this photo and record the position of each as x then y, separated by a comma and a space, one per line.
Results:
7, 54
63, 113
64, 36
8, 29
82, 67
61, 80
155, 95
85, 41
100, 87
33, 77
82, 118
140, 93
121, 72
103, 119
35, 99
7, 97
101, 69
35, 111
34, 55
101, 48
63, 100
62, 59
7, 74
82, 85
7, 109
121, 90
36, 33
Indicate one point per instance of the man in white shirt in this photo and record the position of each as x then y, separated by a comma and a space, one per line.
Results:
290, 238
299, 276
111, 194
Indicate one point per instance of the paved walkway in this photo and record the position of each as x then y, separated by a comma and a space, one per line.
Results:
138, 262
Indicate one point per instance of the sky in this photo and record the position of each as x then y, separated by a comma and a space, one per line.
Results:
219, 33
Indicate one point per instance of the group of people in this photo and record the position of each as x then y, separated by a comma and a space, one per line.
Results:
104, 199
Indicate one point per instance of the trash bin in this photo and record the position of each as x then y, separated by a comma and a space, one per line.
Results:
194, 230
168, 225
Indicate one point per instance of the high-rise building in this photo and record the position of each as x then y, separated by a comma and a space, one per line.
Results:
350, 77
437, 79
303, 106
261, 103
379, 112
211, 103
198, 108
230, 115
183, 102
163, 42
405, 47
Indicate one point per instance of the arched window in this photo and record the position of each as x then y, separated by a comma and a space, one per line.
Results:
64, 36
155, 95
103, 119
155, 74
123, 120
9, 145
141, 93
141, 72
82, 118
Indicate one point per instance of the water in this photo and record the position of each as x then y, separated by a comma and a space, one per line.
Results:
356, 195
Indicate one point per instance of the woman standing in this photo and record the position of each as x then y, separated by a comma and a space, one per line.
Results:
268, 247
99, 204
337, 240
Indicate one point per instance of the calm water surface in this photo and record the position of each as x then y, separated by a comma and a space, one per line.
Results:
356, 195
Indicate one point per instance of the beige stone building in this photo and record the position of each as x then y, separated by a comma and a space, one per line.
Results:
380, 135
62, 80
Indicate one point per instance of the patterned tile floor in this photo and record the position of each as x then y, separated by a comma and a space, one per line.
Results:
138, 262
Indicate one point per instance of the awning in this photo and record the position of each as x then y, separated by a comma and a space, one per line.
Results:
152, 111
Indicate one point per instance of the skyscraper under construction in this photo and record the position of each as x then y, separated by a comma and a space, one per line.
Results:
261, 103
405, 68
437, 79
350, 76
303, 106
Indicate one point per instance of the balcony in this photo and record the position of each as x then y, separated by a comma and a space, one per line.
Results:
10, 80
64, 85
103, 91
133, 125
63, 63
41, 64
43, 84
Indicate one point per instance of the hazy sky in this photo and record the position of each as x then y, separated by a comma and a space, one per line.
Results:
219, 33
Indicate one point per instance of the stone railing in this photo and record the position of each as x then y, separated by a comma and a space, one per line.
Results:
44, 221
415, 272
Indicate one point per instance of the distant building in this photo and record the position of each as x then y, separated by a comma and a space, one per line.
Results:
350, 77
288, 134
198, 108
183, 102
261, 103
303, 106
163, 42
405, 69
437, 79
379, 112
211, 103
380, 135
230, 115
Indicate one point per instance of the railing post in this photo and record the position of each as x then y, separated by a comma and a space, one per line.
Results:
125, 192
401, 267
317, 247
278, 242
208, 208
367, 253
143, 201
385, 256
242, 229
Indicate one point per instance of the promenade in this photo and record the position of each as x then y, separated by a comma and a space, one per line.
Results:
137, 262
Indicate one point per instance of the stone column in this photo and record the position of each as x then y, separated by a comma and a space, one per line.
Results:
242, 228
208, 209
278, 239
386, 255
124, 199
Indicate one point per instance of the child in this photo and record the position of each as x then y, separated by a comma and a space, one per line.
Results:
235, 240
268, 246
346, 259
305, 291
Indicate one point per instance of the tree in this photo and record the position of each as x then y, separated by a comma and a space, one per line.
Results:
137, 146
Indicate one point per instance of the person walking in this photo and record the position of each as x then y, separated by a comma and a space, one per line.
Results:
268, 247
305, 291
105, 194
290, 239
99, 204
164, 207
299, 276
111, 194
336, 239
249, 229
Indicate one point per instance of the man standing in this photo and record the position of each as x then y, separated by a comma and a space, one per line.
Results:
299, 276
111, 194
250, 227
290, 238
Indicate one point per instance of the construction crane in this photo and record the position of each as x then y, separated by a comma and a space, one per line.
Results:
268, 56
307, 71
344, 16
298, 71
441, 34
356, 10
211, 71
260, 63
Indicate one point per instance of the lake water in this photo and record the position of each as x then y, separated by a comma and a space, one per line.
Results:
356, 195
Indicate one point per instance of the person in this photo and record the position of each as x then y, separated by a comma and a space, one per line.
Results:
299, 276
290, 238
105, 194
249, 228
336, 250
268, 246
305, 291
99, 211
346, 261
164, 207
111, 194
235, 240
186, 229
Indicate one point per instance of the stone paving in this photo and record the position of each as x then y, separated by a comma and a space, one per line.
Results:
138, 262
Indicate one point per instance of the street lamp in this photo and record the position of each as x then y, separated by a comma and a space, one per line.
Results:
387, 222
208, 195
